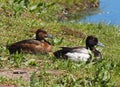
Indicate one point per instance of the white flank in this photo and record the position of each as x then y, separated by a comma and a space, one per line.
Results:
77, 57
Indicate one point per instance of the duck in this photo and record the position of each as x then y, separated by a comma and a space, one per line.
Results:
81, 53
32, 46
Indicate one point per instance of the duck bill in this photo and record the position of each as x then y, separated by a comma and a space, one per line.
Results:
100, 44
50, 36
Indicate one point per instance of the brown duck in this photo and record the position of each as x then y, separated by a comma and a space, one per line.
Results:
32, 46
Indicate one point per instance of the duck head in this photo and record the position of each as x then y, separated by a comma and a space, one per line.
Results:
41, 35
91, 41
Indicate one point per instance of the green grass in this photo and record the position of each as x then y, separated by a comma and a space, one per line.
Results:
49, 71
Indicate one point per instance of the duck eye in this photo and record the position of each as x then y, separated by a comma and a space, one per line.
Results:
45, 35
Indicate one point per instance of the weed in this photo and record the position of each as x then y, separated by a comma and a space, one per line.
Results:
36, 82
31, 62
17, 59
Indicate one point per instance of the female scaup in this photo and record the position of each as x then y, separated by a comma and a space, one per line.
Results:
81, 53
33, 46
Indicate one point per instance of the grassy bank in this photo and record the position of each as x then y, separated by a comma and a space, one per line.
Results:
45, 10
46, 70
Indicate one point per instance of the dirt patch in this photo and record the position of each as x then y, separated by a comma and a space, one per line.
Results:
25, 74
56, 72
8, 85
17, 73
118, 85
75, 33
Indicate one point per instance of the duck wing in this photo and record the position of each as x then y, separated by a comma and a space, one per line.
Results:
29, 41
61, 53
27, 46
79, 49
65, 50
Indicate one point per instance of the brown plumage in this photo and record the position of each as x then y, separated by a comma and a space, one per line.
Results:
33, 46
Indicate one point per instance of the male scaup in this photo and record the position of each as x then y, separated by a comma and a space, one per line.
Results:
81, 53
33, 46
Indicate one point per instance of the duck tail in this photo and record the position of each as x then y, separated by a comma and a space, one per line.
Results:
58, 53
11, 49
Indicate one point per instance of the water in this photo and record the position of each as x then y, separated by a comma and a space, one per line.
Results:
108, 12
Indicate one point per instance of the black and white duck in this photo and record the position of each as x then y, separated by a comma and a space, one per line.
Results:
80, 53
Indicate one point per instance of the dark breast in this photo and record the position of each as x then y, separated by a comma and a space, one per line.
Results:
97, 55
30, 46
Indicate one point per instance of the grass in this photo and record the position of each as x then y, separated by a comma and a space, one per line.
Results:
46, 70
